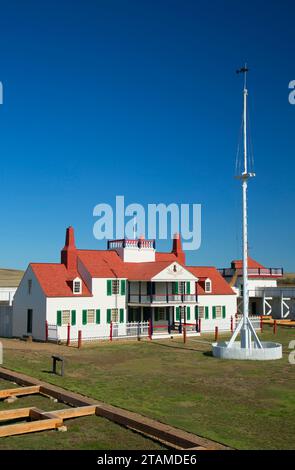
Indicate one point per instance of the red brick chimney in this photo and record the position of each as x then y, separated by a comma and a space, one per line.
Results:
69, 251
177, 249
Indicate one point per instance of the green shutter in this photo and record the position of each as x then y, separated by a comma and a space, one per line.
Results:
196, 312
73, 319
84, 317
156, 315
97, 316
188, 287
177, 314
206, 313
175, 288
123, 287
223, 312
58, 318
108, 315
121, 315
188, 313
213, 312
109, 287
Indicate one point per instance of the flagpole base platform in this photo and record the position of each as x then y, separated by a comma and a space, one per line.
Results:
270, 351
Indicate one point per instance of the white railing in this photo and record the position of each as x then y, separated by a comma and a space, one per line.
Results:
94, 332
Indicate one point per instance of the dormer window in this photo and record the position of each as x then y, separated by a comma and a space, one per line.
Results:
77, 286
208, 286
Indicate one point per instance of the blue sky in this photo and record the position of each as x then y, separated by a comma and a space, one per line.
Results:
141, 99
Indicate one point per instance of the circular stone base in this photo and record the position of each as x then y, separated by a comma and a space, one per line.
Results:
269, 352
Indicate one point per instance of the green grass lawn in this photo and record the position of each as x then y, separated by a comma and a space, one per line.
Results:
243, 404
89, 432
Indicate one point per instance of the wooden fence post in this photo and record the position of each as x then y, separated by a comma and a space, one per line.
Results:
274, 327
68, 334
261, 324
231, 324
216, 333
111, 331
199, 325
79, 339
184, 333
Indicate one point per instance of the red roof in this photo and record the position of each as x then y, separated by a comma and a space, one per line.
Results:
55, 280
102, 263
238, 264
219, 284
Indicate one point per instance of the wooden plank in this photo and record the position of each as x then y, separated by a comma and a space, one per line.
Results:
156, 429
14, 414
33, 426
36, 413
76, 412
19, 391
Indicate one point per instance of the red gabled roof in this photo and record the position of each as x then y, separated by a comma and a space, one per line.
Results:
219, 284
102, 263
144, 271
108, 264
165, 257
55, 280
238, 264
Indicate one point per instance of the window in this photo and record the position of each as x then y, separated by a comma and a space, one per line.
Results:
208, 285
29, 320
115, 286
29, 286
65, 317
91, 316
182, 311
218, 311
201, 312
161, 314
114, 315
77, 287
181, 287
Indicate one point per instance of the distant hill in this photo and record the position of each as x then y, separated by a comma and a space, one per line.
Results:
287, 280
10, 277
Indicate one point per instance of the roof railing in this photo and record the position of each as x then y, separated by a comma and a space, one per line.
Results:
130, 243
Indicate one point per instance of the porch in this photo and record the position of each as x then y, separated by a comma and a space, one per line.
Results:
164, 320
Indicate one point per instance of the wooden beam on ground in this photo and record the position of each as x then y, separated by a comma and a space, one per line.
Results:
76, 412
155, 429
14, 414
19, 391
33, 426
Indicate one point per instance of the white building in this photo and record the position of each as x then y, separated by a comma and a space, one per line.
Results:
265, 296
9, 280
128, 282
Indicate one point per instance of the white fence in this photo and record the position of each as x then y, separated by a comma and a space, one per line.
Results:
93, 332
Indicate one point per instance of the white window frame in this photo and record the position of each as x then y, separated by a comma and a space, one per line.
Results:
201, 311
208, 282
65, 317
90, 313
114, 315
115, 286
77, 282
218, 311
